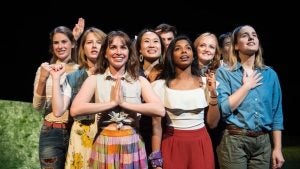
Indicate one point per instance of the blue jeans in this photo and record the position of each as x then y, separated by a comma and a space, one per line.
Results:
53, 147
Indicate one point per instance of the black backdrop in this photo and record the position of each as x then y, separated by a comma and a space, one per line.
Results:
25, 36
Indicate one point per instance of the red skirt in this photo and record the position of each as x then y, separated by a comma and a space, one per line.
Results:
187, 149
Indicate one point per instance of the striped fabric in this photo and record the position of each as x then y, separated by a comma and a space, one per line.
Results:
118, 149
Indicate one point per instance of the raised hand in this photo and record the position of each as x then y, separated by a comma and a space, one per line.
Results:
210, 80
78, 28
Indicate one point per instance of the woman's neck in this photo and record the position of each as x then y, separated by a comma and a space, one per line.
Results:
183, 74
90, 64
91, 67
225, 60
247, 61
147, 63
184, 80
248, 64
204, 63
65, 60
117, 72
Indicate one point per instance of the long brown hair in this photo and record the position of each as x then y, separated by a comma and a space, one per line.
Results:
82, 59
66, 31
132, 65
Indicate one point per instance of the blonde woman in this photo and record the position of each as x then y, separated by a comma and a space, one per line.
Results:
250, 100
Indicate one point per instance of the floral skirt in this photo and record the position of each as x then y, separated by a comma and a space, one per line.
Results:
80, 145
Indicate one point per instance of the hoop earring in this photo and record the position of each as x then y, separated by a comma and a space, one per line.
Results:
141, 58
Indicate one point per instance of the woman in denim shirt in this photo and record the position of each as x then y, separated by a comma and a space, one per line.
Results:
250, 101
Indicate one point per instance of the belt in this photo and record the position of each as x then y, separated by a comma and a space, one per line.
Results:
86, 122
55, 125
234, 130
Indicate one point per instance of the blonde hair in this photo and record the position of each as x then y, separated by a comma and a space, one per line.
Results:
82, 58
233, 57
216, 59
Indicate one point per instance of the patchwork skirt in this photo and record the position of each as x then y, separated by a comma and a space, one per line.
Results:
118, 149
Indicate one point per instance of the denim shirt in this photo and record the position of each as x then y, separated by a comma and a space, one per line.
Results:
75, 80
261, 109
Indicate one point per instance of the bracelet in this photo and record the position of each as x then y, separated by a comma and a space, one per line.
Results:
157, 162
213, 104
156, 159
213, 97
43, 81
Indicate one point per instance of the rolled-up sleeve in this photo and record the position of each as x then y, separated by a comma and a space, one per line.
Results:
277, 106
38, 101
224, 92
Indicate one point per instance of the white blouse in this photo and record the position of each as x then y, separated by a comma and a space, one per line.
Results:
185, 108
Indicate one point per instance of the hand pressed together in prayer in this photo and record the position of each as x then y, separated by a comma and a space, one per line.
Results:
117, 92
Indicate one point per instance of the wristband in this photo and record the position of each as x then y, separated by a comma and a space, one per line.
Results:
156, 159
157, 162
213, 104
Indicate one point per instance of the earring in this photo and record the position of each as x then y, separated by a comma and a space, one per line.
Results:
141, 58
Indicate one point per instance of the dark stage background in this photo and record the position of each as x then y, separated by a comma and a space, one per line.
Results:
25, 37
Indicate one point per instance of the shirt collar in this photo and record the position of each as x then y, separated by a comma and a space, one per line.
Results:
109, 76
240, 67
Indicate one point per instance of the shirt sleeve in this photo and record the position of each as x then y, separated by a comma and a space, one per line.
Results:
158, 87
38, 101
277, 105
66, 89
224, 91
